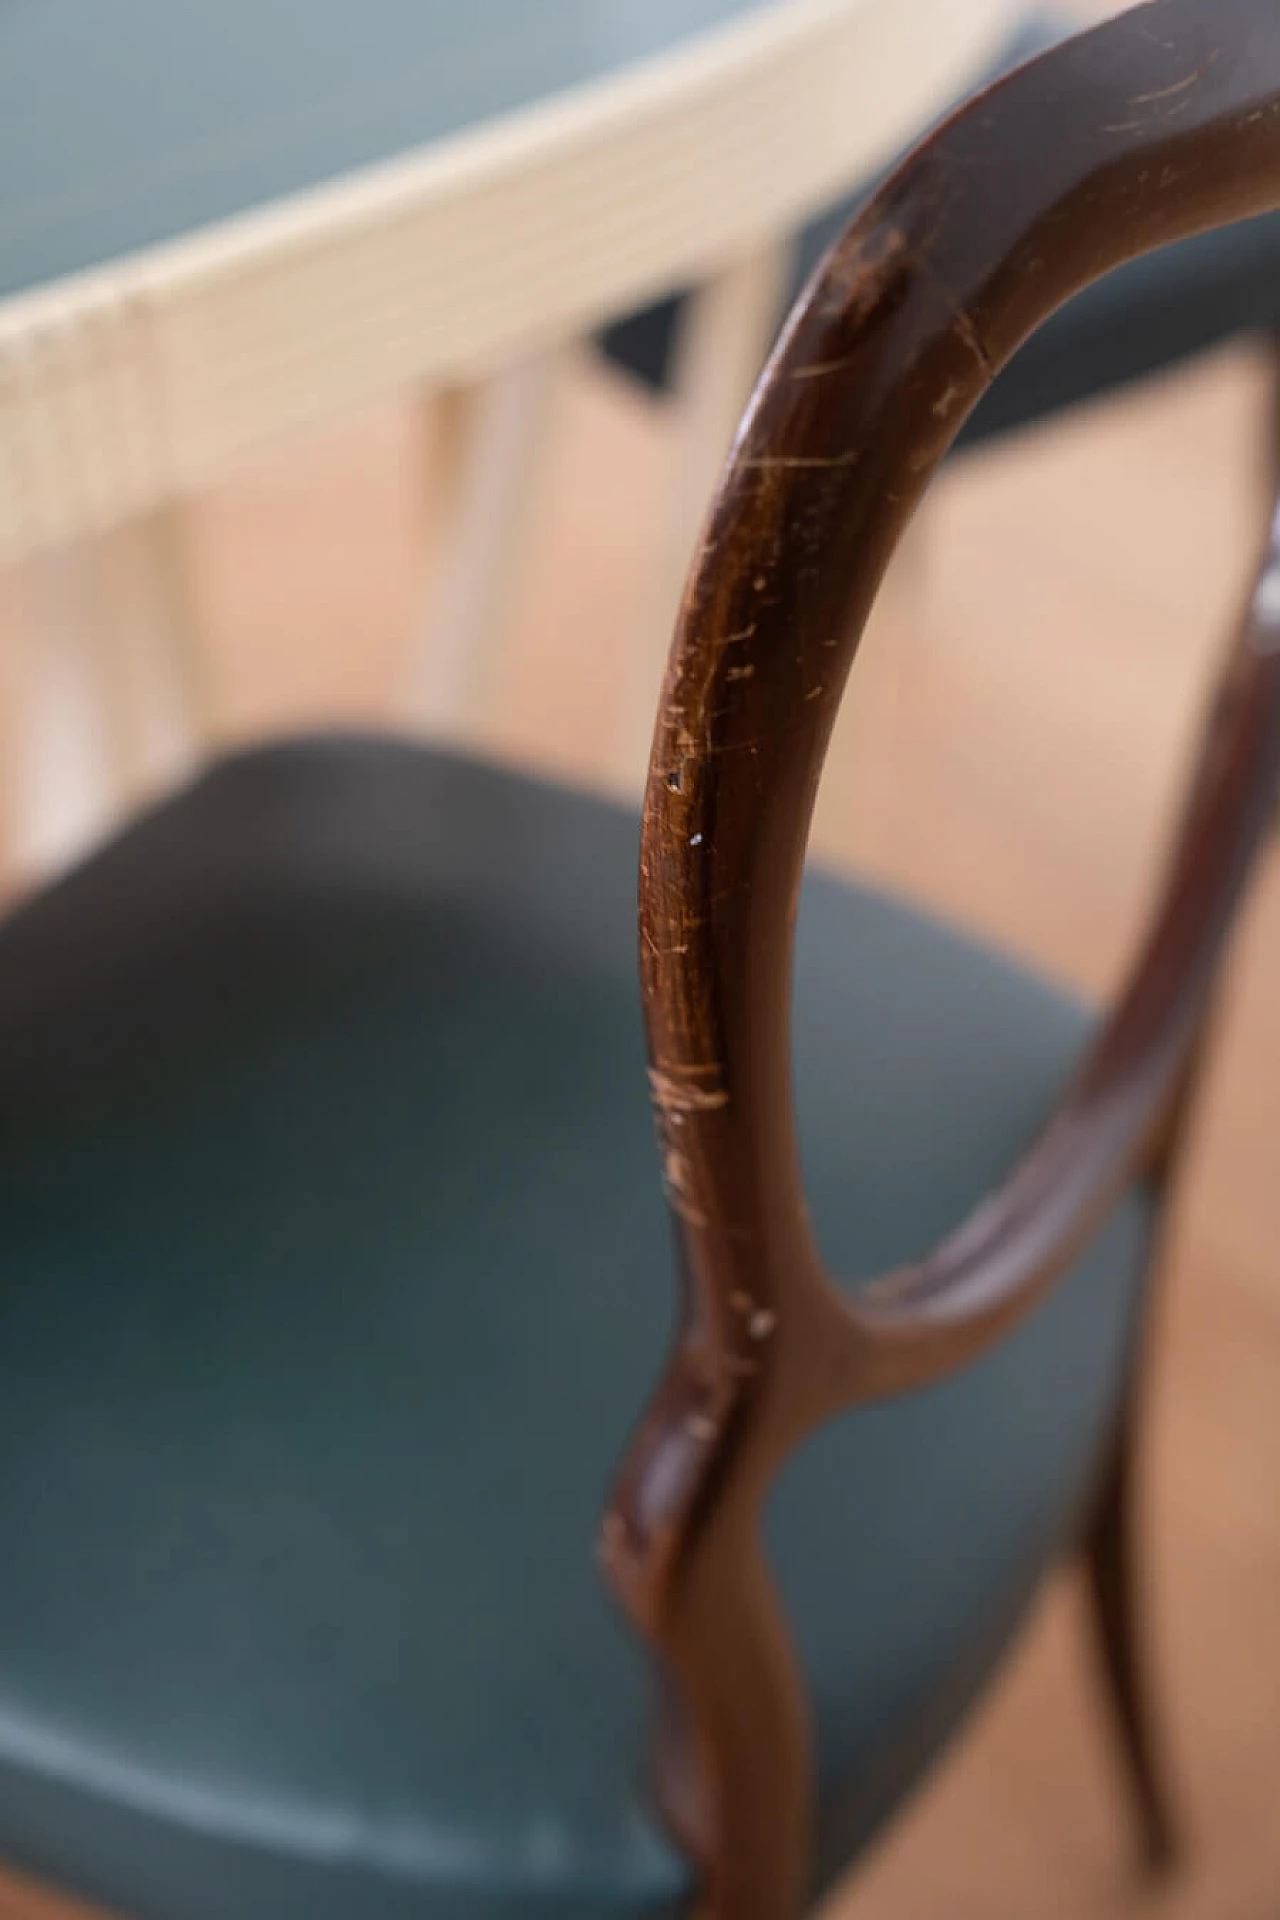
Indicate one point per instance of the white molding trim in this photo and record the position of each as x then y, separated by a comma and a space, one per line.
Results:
139, 381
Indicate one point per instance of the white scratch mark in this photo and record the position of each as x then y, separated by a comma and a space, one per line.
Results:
678, 1096
817, 368
1165, 93
765, 460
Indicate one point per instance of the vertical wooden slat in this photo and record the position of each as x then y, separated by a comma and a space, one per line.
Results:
491, 444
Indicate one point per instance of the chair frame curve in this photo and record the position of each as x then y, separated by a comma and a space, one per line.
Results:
1159, 124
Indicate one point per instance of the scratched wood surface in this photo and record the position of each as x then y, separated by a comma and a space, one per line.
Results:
1156, 125
1020, 783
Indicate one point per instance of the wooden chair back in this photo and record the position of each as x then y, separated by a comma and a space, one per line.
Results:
1157, 125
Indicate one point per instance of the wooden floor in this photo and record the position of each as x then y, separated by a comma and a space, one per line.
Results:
1009, 754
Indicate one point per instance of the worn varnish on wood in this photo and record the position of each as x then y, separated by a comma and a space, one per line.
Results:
1155, 126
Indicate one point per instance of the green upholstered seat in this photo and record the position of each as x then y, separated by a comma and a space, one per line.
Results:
335, 1269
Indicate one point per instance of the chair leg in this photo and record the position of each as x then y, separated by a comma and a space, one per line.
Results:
1112, 1545
1113, 1569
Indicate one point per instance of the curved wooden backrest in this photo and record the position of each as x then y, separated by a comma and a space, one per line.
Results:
1155, 126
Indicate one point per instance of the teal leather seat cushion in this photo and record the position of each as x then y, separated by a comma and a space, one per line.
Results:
335, 1271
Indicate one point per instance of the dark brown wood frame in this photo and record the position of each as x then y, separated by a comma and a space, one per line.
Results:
1157, 125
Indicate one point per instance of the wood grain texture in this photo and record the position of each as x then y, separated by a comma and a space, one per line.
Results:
1046, 668
1153, 127
1047, 665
